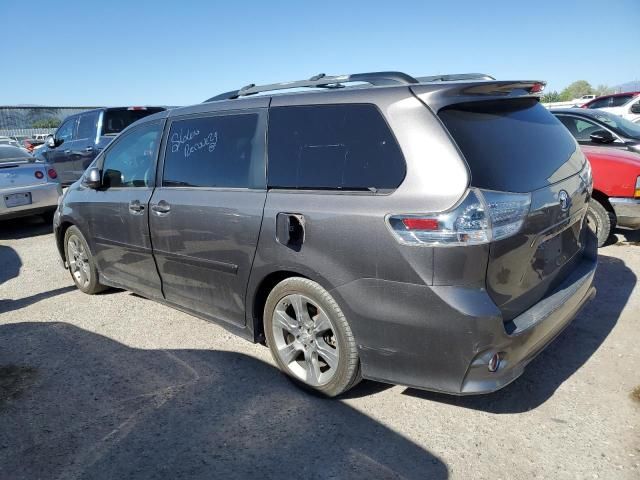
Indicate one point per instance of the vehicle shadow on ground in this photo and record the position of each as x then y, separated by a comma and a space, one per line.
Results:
74, 404
24, 227
10, 264
627, 237
10, 304
565, 355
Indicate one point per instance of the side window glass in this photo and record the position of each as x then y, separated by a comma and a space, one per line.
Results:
130, 161
620, 101
334, 147
66, 130
585, 129
87, 125
216, 151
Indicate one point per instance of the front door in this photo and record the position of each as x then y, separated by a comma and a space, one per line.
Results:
61, 155
84, 147
119, 219
205, 217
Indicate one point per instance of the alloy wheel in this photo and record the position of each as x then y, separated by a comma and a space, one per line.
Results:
78, 261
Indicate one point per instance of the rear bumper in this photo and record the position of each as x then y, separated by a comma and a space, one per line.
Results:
441, 338
44, 198
627, 211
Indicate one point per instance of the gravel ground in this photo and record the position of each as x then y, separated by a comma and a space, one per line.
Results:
116, 386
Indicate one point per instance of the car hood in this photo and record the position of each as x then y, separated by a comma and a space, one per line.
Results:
612, 155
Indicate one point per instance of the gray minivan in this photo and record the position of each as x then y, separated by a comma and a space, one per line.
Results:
429, 234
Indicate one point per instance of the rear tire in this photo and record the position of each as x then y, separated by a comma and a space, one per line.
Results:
310, 338
600, 220
81, 263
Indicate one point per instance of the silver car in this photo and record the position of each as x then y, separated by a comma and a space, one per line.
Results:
27, 187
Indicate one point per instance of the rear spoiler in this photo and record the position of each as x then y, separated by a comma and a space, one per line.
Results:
440, 95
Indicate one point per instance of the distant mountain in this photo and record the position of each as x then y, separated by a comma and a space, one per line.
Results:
628, 87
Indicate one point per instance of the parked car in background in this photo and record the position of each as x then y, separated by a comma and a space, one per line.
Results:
82, 136
626, 105
616, 190
385, 233
26, 187
600, 128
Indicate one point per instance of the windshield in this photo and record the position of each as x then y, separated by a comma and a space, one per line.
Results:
626, 127
9, 153
114, 121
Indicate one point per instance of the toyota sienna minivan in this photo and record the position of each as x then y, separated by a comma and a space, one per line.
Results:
428, 234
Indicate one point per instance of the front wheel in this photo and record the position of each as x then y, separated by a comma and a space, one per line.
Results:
600, 220
81, 263
309, 337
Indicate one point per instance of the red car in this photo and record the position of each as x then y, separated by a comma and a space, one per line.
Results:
616, 190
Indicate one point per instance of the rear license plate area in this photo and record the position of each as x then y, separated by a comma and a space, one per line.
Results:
17, 199
553, 253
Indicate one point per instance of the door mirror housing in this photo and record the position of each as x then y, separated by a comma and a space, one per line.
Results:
602, 136
635, 108
93, 178
51, 142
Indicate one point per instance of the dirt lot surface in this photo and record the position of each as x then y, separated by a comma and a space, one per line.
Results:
116, 386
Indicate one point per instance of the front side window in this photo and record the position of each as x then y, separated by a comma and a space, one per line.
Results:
66, 132
580, 128
130, 161
225, 151
333, 147
87, 125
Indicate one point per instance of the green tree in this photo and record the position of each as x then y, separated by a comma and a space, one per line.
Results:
602, 90
549, 97
576, 90
46, 123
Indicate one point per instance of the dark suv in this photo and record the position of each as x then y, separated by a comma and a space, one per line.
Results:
82, 136
424, 234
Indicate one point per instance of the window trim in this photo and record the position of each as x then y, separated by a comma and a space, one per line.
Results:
261, 128
334, 191
103, 155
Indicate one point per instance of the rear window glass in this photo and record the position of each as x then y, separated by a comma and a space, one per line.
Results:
8, 152
114, 121
218, 151
333, 147
512, 145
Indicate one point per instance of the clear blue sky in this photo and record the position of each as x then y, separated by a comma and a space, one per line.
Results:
80, 52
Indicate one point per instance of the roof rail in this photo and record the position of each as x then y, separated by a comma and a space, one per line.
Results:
322, 81
454, 77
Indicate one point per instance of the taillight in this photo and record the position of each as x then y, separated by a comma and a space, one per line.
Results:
537, 88
39, 175
481, 217
52, 174
637, 191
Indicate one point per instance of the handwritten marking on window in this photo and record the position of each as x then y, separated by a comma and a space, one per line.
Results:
189, 143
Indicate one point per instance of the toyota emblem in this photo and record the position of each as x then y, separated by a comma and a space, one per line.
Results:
565, 201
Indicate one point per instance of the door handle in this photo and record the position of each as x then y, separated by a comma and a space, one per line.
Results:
67, 151
88, 149
135, 206
161, 208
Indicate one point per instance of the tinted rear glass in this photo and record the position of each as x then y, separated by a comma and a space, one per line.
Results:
512, 145
8, 153
114, 121
335, 147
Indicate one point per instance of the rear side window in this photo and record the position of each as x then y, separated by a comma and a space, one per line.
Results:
216, 151
87, 125
600, 103
512, 145
332, 147
620, 100
114, 121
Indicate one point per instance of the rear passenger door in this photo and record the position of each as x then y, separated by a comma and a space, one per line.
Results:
206, 213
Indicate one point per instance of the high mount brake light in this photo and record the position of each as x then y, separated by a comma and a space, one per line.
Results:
481, 217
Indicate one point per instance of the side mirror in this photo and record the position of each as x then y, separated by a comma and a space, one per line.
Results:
51, 142
635, 108
92, 178
602, 136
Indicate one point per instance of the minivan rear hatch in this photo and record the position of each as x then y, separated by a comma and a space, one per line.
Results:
516, 145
